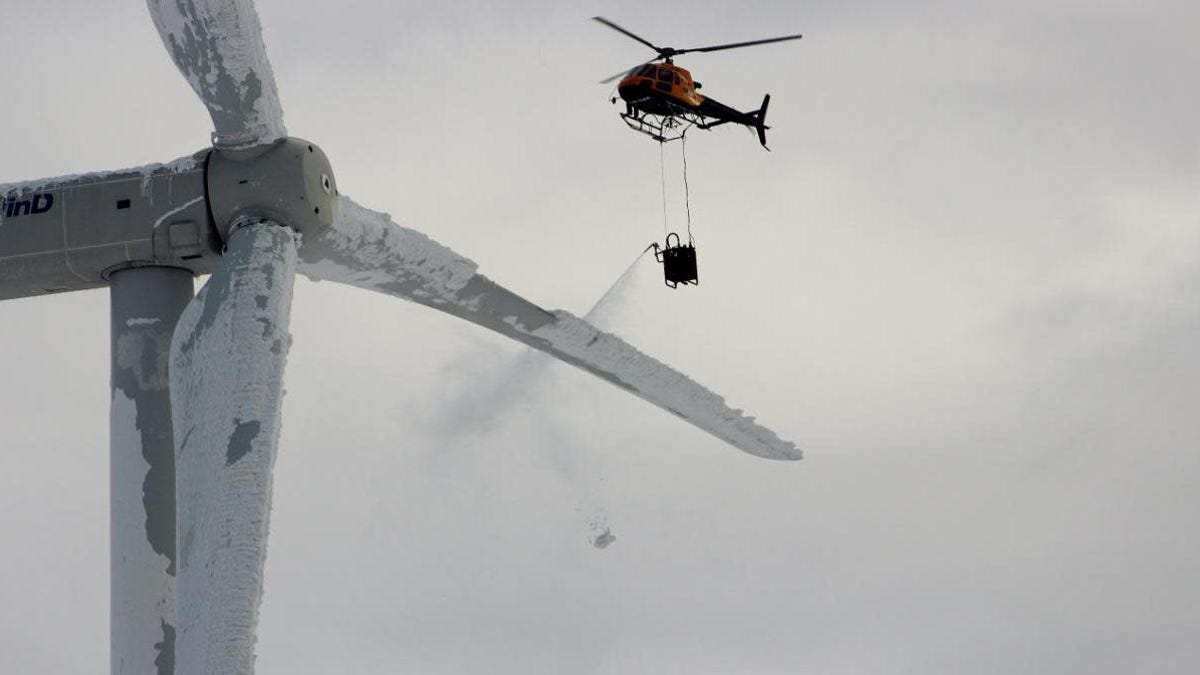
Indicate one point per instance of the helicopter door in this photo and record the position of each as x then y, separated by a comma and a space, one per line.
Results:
665, 78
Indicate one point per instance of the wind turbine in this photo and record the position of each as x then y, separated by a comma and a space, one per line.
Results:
197, 381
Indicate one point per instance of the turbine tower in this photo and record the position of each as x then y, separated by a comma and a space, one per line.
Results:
197, 382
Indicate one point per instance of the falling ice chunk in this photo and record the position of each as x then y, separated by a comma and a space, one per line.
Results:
601, 535
603, 539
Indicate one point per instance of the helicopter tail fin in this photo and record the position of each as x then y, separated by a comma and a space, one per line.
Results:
760, 121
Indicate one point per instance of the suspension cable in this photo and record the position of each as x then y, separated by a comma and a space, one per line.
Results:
662, 177
687, 197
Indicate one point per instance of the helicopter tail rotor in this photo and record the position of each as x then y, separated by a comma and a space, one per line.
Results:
760, 121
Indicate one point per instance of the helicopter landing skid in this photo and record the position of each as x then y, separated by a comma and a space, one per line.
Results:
663, 128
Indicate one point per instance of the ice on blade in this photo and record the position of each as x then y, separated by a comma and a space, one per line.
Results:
366, 249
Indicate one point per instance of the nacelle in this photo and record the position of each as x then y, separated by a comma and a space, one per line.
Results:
73, 233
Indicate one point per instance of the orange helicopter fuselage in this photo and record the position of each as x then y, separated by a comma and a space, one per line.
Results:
653, 87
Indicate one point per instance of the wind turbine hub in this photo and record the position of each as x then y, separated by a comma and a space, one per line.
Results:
289, 182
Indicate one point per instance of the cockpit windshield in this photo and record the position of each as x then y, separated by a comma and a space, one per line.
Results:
645, 71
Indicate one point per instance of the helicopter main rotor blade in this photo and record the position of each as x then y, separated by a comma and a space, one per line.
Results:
623, 73
366, 249
619, 29
218, 46
735, 45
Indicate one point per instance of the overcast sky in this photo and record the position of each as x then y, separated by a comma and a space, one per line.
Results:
965, 281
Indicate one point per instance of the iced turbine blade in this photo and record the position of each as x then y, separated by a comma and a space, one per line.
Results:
218, 46
366, 249
227, 361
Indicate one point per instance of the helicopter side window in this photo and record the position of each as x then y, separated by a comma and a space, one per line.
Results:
664, 74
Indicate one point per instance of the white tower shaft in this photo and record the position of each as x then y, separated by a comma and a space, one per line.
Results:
146, 304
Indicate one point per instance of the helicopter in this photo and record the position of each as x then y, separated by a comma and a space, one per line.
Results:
663, 101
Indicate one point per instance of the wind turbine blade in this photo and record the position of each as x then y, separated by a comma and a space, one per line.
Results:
218, 46
366, 249
227, 362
